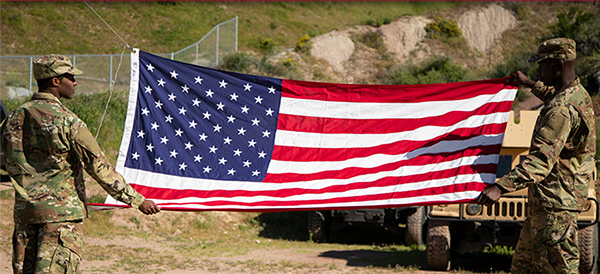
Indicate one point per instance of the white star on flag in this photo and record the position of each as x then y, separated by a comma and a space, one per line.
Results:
178, 132
185, 89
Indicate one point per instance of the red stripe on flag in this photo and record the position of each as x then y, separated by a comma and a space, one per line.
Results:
356, 171
173, 194
367, 126
302, 154
455, 188
389, 93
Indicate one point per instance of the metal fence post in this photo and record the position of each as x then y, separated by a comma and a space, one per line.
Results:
236, 32
217, 50
30, 73
110, 84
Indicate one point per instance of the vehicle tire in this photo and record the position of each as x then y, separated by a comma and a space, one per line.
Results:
316, 227
438, 245
414, 227
588, 249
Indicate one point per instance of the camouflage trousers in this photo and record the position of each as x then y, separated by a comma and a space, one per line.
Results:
548, 242
47, 247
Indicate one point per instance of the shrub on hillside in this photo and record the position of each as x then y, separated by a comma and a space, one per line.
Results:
267, 45
443, 28
378, 22
582, 26
238, 61
372, 39
434, 70
303, 44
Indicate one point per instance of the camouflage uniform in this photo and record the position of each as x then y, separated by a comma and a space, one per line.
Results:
47, 148
557, 172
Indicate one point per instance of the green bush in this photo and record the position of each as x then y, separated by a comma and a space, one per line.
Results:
443, 28
372, 39
303, 44
434, 70
267, 68
238, 61
580, 25
290, 63
267, 45
378, 22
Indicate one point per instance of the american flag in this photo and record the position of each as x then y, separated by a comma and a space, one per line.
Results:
198, 138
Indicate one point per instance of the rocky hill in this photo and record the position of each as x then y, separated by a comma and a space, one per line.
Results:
491, 34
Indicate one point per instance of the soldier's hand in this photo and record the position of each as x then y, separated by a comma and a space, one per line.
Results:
149, 207
490, 195
519, 78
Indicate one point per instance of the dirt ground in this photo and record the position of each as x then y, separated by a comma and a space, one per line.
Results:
264, 255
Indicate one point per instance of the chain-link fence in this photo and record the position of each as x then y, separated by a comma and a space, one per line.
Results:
112, 71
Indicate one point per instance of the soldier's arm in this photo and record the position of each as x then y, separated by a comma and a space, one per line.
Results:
546, 146
97, 165
541, 91
537, 88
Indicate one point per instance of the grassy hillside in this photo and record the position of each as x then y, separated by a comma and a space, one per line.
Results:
30, 28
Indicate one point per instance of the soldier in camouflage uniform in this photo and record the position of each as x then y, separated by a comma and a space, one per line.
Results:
559, 167
47, 149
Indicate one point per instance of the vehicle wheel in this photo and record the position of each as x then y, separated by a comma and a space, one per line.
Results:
414, 227
588, 249
316, 226
438, 245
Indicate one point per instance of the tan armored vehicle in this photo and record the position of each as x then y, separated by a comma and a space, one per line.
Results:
455, 230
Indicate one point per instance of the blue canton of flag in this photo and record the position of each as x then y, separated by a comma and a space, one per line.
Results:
199, 122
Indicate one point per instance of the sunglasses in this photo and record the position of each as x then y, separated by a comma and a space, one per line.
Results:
69, 76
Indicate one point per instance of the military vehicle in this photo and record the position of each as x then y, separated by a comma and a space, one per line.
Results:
455, 230
321, 224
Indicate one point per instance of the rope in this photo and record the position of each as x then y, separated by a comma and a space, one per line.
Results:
116, 73
108, 25
110, 94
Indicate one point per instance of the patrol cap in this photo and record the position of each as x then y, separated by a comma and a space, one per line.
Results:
557, 48
53, 65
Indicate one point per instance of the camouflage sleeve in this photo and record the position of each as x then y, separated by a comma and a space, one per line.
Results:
97, 165
541, 91
546, 145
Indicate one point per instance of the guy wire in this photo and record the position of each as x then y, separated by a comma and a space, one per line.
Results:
119, 66
110, 94
108, 25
